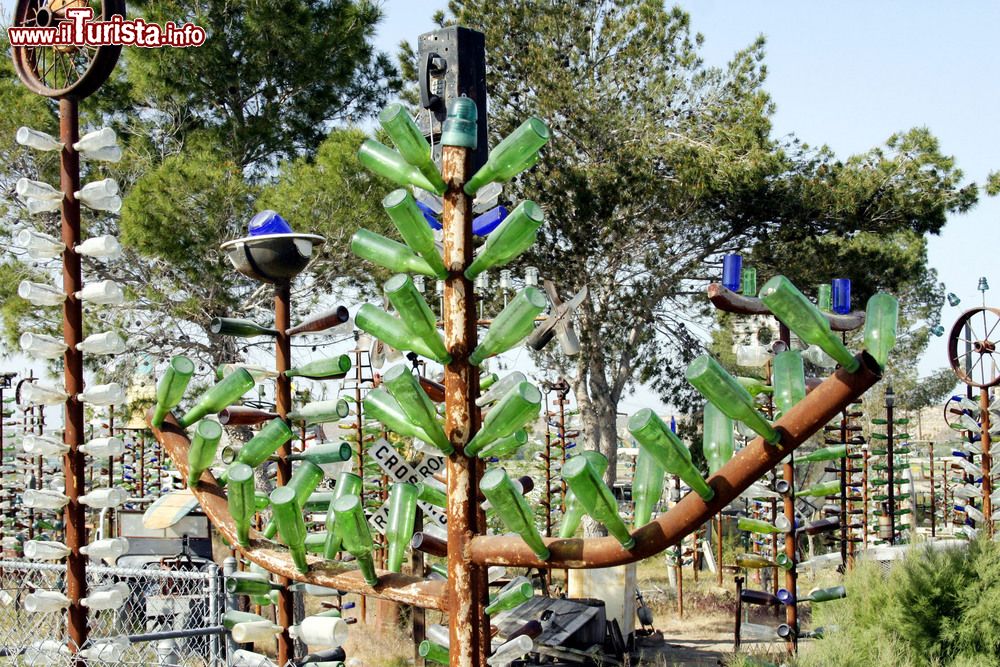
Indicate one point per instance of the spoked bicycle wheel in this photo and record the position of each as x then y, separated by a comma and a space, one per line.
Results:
972, 347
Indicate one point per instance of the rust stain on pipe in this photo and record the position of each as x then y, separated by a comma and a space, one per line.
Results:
274, 557
749, 464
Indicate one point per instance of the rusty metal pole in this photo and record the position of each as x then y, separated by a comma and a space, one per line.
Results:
718, 540
791, 577
933, 510
360, 430
142, 464
891, 507
74, 465
739, 613
984, 424
283, 404
843, 491
469, 631
864, 496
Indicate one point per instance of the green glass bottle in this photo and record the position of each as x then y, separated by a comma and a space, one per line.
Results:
516, 152
250, 583
753, 561
412, 226
393, 332
487, 380
287, 515
511, 326
881, 318
655, 437
220, 396
410, 142
171, 387
718, 442
242, 500
511, 598
231, 617
824, 454
348, 484
761, 527
201, 453
789, 380
320, 412
232, 326
304, 480
322, 369
647, 487
402, 514
416, 405
518, 407
749, 282
433, 652
512, 237
513, 509
429, 493
391, 254
355, 535
415, 313
574, 509
391, 166
380, 405
824, 297
505, 446
714, 383
266, 442
597, 499
792, 307
323, 454
825, 594
830, 488
754, 386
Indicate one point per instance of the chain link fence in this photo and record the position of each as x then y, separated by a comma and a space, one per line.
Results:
171, 618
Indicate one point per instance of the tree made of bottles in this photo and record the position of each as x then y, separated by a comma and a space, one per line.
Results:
890, 452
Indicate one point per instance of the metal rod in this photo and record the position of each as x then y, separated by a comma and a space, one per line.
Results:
843, 492
283, 404
359, 427
984, 424
175, 634
74, 465
469, 631
892, 475
933, 511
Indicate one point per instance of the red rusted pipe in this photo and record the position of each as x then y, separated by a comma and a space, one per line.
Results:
807, 417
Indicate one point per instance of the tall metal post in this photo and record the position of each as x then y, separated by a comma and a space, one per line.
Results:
987, 459
73, 461
933, 510
843, 492
283, 404
469, 631
864, 495
791, 578
889, 403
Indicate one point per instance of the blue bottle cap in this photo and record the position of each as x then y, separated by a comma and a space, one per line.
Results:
268, 222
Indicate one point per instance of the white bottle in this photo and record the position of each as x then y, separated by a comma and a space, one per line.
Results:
103, 394
40, 346
111, 204
103, 292
510, 651
45, 602
110, 597
96, 140
254, 631
38, 245
38, 294
243, 658
42, 445
46, 652
106, 652
36, 206
106, 154
27, 188
106, 187
39, 394
108, 342
320, 631
501, 387
44, 550
104, 498
751, 355
107, 549
103, 447
40, 141
105, 246
44, 499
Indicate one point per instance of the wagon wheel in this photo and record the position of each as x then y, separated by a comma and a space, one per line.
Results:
64, 71
973, 352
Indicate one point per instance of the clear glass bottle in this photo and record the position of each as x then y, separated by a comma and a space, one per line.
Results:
40, 346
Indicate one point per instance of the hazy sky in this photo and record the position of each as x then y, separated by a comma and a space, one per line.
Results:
851, 73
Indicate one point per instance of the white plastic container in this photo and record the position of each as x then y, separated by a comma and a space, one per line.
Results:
38, 245
103, 394
108, 342
40, 346
38, 294
45, 602
40, 141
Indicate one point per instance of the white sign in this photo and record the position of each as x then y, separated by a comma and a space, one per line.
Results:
399, 470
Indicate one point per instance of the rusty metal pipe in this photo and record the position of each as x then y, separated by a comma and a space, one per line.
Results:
748, 465
274, 557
